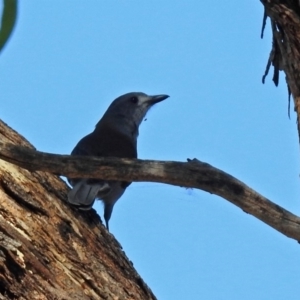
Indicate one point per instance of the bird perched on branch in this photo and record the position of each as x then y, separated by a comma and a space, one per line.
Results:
115, 135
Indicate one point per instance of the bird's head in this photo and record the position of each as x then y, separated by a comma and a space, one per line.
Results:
132, 106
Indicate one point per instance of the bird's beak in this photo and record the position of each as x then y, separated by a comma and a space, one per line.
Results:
158, 98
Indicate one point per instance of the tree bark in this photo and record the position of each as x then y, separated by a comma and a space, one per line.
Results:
285, 53
49, 250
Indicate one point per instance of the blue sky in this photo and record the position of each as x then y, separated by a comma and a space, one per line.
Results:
67, 60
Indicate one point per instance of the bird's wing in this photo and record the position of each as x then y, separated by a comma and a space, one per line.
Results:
104, 143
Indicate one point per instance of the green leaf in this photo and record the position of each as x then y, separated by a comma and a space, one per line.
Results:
8, 21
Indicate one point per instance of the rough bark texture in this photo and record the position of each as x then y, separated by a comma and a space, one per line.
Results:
194, 174
285, 53
49, 250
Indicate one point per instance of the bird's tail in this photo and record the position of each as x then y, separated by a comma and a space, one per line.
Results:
84, 193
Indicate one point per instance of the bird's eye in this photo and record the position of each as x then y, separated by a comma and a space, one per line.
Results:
134, 100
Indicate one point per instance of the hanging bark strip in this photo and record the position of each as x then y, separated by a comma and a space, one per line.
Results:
285, 54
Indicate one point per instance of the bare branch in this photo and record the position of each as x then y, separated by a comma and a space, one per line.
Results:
193, 174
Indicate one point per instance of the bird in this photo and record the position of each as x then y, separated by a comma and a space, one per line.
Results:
115, 135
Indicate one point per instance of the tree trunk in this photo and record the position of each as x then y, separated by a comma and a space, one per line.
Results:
49, 250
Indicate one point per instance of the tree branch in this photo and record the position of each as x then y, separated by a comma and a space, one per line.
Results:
194, 174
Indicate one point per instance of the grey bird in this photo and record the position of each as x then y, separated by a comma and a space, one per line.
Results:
115, 135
